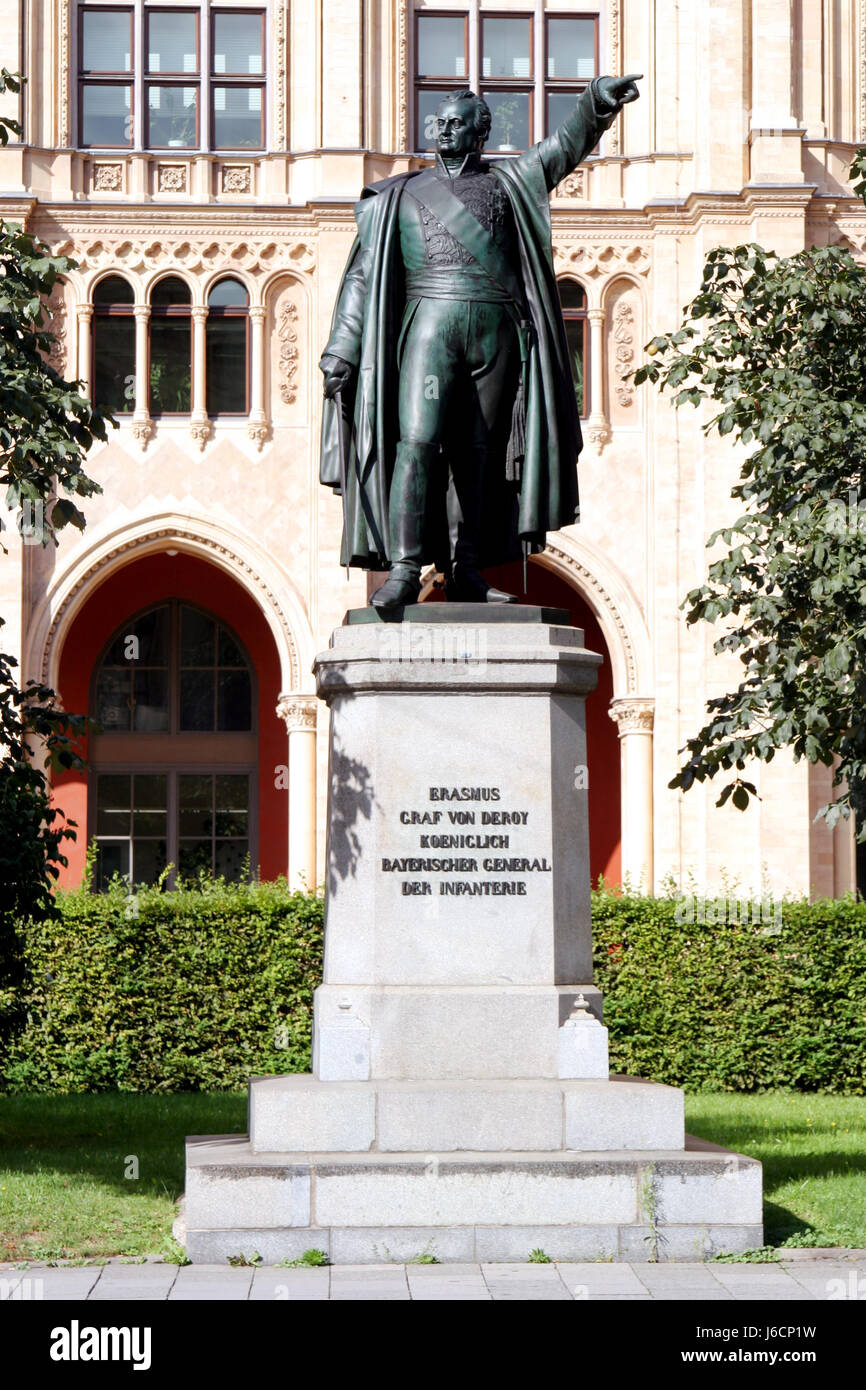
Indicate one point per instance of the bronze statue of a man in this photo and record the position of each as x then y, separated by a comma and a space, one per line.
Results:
450, 424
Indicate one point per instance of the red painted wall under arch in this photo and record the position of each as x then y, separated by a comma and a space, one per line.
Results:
548, 589
152, 580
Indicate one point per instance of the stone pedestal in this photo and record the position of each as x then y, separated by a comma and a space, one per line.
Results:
460, 1101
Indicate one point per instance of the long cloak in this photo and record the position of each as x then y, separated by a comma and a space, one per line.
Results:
365, 329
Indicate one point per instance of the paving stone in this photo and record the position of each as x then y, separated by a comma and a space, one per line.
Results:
682, 1282
211, 1283
73, 1282
454, 1282
834, 1281
362, 1283
524, 1282
614, 1282
134, 1282
759, 1282
290, 1285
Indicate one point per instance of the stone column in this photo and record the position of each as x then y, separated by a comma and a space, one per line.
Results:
200, 426
299, 713
257, 428
85, 319
142, 426
597, 427
633, 717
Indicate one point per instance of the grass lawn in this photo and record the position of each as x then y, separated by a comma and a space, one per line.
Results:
64, 1193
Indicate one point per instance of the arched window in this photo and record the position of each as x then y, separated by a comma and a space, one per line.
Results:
174, 760
572, 297
227, 349
170, 373
113, 364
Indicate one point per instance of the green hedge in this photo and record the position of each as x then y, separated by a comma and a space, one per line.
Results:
199, 990
184, 991
735, 1005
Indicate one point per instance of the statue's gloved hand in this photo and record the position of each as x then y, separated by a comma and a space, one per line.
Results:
616, 91
337, 374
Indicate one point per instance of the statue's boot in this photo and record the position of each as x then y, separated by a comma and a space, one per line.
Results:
407, 507
465, 583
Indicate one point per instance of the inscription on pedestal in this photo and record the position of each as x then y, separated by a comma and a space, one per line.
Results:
482, 874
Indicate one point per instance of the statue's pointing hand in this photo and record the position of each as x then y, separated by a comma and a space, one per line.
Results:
619, 90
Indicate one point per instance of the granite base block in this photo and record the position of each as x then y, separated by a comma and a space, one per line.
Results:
377, 1207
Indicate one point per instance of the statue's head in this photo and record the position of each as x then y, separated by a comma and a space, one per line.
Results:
463, 123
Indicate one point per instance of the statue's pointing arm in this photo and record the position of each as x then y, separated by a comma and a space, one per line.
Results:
594, 112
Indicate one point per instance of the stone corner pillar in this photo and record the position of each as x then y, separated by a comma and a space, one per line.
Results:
299, 713
634, 716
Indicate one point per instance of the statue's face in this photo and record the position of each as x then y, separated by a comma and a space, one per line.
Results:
455, 128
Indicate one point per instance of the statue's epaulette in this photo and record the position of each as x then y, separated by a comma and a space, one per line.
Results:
384, 184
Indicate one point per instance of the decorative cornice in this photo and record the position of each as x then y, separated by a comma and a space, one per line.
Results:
149, 248
91, 577
298, 711
633, 715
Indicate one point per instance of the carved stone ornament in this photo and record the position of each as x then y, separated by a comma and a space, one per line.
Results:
298, 712
107, 178
634, 715
236, 178
623, 339
171, 178
286, 320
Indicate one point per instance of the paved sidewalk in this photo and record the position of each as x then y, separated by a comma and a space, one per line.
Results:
805, 1276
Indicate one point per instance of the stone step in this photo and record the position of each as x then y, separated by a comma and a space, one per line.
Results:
472, 1206
290, 1114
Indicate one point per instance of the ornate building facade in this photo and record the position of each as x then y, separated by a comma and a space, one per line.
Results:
199, 162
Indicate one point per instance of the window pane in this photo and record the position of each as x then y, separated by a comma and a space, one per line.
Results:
571, 294
194, 855
171, 116
510, 129
194, 804
230, 856
112, 859
237, 118
234, 701
170, 290
228, 293
226, 366
171, 43
505, 48
106, 115
170, 346
425, 117
148, 860
113, 694
113, 290
106, 40
574, 333
151, 632
441, 46
150, 715
150, 793
196, 701
197, 640
114, 363
571, 48
559, 107
232, 804
230, 653
113, 803
237, 43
